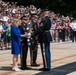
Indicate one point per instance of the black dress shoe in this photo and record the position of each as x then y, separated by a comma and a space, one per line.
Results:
35, 65
28, 68
22, 68
47, 69
44, 69
25, 68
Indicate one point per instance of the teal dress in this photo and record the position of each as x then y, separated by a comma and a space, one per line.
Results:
16, 37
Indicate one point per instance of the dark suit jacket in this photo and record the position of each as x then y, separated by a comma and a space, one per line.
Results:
22, 28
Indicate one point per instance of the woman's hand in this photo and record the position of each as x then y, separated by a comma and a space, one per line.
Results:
24, 35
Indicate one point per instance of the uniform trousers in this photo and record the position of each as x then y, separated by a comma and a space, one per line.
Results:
47, 55
24, 50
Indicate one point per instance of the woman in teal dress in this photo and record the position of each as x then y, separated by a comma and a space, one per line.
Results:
16, 37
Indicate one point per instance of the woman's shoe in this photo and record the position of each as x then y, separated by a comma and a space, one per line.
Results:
16, 69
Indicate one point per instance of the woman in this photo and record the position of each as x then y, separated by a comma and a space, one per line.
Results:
8, 35
2, 35
16, 37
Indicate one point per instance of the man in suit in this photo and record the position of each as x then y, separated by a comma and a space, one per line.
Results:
44, 38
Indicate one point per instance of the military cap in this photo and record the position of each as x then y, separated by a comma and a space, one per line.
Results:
44, 10
34, 15
23, 18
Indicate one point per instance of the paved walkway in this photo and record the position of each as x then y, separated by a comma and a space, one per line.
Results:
63, 61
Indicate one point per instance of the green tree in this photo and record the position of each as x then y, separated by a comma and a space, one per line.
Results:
65, 7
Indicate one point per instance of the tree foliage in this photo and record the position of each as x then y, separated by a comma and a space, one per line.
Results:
65, 7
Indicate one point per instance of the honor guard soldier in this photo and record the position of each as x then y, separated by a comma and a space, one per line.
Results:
44, 38
24, 45
34, 40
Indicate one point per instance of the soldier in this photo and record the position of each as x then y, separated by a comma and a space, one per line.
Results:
44, 38
24, 45
34, 41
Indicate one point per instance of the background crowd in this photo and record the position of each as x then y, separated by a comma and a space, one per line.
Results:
63, 27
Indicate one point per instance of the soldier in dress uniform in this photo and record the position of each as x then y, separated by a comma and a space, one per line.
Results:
24, 45
44, 38
34, 40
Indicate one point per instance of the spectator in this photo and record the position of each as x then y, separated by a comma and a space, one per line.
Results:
1, 35
8, 36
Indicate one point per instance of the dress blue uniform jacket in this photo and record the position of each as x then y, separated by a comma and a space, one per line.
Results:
16, 37
44, 30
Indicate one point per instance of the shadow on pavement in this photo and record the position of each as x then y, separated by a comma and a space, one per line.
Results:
61, 70
6, 68
9, 68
